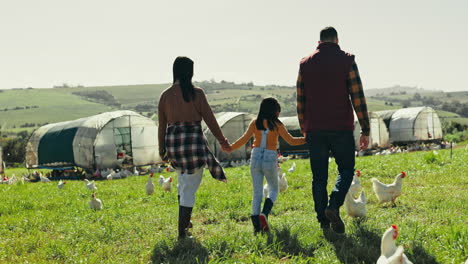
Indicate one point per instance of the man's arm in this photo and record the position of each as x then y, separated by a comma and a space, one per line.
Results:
358, 100
300, 101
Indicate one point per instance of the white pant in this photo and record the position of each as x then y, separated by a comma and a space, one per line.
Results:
187, 186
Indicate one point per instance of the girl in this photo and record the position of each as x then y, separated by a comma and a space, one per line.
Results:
180, 111
264, 161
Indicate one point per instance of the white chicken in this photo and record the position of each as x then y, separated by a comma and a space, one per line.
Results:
389, 253
355, 184
355, 207
293, 167
43, 179
170, 169
224, 164
90, 185
166, 184
95, 203
150, 185
105, 173
4, 180
116, 175
12, 180
388, 192
125, 173
61, 184
282, 184
282, 158
156, 169
24, 178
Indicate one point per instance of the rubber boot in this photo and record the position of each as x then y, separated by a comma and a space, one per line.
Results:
185, 213
267, 207
190, 225
256, 223
264, 215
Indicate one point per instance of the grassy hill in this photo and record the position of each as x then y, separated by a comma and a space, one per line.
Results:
35, 107
42, 224
27, 109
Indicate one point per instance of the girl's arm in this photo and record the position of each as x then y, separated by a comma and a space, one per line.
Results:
293, 141
244, 138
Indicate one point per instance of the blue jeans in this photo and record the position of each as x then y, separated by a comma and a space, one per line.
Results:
341, 145
263, 163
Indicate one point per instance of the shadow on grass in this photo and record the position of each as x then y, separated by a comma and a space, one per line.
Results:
182, 251
363, 246
288, 243
420, 255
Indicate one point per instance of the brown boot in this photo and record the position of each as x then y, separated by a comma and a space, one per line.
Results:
336, 223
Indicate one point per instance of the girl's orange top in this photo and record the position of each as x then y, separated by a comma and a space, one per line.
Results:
272, 137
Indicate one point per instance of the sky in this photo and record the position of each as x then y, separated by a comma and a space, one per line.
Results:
421, 43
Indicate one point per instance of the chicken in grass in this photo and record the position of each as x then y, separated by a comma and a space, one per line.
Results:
355, 187
43, 179
95, 203
90, 185
170, 169
388, 192
293, 167
25, 178
150, 185
355, 207
389, 252
166, 184
282, 184
61, 184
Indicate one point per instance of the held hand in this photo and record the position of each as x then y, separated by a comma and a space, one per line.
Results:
226, 148
363, 142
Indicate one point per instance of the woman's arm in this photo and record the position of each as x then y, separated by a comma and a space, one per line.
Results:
210, 119
244, 138
293, 141
162, 119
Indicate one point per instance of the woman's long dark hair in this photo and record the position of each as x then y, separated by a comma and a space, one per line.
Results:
182, 71
269, 109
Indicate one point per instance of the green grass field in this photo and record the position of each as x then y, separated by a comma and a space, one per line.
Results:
53, 107
42, 224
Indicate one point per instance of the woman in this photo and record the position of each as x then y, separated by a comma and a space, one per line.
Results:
180, 111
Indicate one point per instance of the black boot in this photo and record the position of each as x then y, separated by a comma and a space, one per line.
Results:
267, 207
190, 225
185, 213
264, 215
256, 223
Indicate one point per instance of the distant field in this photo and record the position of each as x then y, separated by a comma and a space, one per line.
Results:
59, 104
53, 106
128, 94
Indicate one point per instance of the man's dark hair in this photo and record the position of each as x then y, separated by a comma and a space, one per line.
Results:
328, 34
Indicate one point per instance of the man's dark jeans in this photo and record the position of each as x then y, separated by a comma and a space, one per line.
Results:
341, 144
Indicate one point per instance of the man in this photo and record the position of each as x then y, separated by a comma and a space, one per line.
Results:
328, 88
